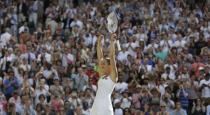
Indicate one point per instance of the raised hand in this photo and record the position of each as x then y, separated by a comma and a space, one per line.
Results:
194, 104
113, 37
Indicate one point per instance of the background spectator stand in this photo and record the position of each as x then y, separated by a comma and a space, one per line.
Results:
48, 59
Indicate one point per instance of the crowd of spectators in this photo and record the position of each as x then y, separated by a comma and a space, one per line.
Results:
48, 63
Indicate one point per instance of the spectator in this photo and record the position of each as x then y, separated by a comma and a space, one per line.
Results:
204, 86
56, 89
39, 109
118, 110
198, 107
146, 110
178, 109
11, 109
183, 96
126, 101
11, 83
81, 80
163, 110
56, 103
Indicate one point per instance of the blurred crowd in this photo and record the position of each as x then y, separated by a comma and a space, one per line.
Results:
48, 63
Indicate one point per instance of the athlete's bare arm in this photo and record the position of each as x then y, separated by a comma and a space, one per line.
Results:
114, 73
99, 50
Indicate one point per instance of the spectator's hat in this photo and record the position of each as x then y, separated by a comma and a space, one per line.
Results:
201, 68
116, 101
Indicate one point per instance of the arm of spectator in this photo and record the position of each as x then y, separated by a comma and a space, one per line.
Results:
171, 103
202, 85
33, 92
185, 93
61, 90
39, 73
134, 81
55, 72
150, 94
183, 3
157, 89
203, 107
193, 108
101, 25
178, 93
185, 112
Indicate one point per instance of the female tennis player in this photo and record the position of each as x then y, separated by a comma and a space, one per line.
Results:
108, 77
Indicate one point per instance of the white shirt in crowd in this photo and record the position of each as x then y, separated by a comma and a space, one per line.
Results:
126, 103
28, 55
132, 45
206, 90
48, 57
77, 23
121, 87
118, 111
90, 40
168, 76
48, 73
208, 110
161, 89
122, 55
4, 39
171, 75
38, 92
70, 57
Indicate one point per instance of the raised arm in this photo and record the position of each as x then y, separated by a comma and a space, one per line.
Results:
114, 72
99, 50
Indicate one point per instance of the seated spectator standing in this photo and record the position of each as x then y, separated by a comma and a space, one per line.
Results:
182, 95
10, 83
81, 80
205, 88
178, 110
56, 89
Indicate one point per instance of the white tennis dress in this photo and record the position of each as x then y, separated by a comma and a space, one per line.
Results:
102, 104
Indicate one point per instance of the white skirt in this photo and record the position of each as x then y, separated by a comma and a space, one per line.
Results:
101, 111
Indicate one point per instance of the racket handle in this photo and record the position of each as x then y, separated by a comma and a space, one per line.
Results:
118, 45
